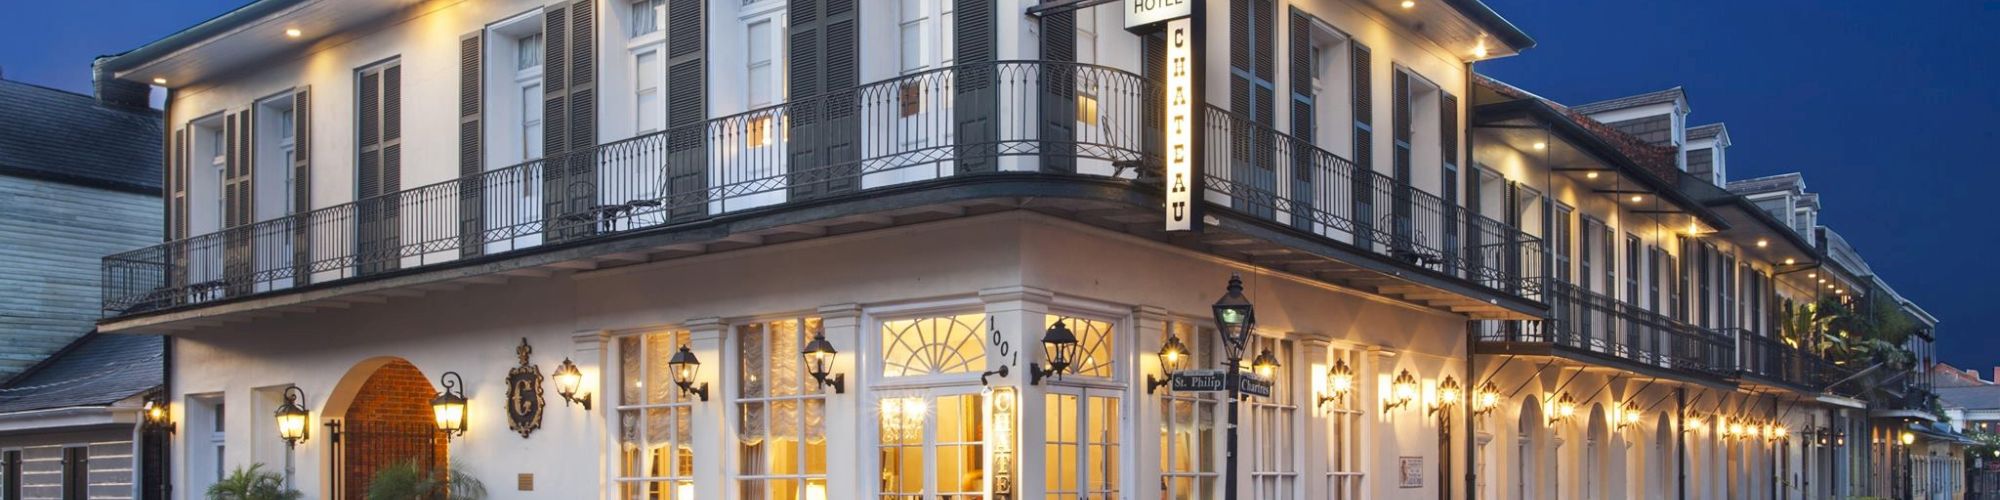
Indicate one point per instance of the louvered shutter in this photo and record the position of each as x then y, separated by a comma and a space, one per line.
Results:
380, 169
825, 131
555, 118
687, 109
1475, 240
237, 202
1448, 145
977, 99
1058, 83
471, 147
1153, 51
1364, 143
301, 208
1251, 73
1400, 130
1303, 103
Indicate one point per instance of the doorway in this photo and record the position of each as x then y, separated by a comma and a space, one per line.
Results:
388, 423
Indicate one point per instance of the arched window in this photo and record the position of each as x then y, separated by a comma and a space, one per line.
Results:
934, 346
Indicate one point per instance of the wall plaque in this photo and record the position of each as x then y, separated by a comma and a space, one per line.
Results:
524, 394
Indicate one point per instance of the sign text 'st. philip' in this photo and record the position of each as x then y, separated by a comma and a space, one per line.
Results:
1143, 12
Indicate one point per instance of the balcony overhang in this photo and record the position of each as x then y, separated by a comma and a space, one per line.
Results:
252, 33
1123, 205
1601, 363
1582, 155
1747, 225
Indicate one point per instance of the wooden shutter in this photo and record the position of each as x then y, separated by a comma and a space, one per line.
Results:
569, 118
1252, 71
238, 196
1400, 130
687, 109
975, 80
1364, 142
1153, 66
555, 118
380, 164
825, 131
301, 208
471, 147
1058, 85
1303, 102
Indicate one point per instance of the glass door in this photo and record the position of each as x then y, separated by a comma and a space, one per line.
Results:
932, 445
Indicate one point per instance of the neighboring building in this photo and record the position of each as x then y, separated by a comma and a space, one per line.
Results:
79, 178
492, 188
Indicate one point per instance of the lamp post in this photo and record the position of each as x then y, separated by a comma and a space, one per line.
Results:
1234, 319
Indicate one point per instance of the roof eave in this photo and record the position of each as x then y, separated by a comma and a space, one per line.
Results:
1501, 28
113, 64
1597, 147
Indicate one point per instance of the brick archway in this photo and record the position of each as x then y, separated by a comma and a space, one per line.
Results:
389, 421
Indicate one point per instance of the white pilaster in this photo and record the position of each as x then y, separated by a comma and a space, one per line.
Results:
1017, 314
845, 412
705, 338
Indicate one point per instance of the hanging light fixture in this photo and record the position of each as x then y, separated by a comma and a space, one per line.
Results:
1265, 365
1486, 400
1060, 347
1339, 382
568, 381
1234, 318
1173, 358
449, 405
1402, 390
819, 354
1448, 395
685, 367
292, 417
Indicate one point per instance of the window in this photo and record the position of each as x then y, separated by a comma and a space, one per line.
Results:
76, 473
1096, 345
1274, 472
528, 75
647, 16
656, 454
1345, 455
945, 446
10, 475
1632, 268
652, 112
763, 74
781, 427
528, 52
934, 346
1188, 463
1086, 53
924, 41
216, 439
1082, 445
1562, 243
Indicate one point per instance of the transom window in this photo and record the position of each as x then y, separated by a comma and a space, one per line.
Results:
934, 346
781, 417
1097, 352
655, 432
646, 17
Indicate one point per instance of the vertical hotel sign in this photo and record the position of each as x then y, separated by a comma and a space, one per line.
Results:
1180, 120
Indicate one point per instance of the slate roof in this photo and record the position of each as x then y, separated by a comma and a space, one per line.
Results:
1985, 397
95, 370
69, 137
1699, 132
1633, 101
1789, 181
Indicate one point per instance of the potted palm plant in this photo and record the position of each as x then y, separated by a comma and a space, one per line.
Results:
253, 483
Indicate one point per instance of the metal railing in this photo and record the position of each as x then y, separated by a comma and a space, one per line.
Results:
1587, 322
1774, 360
1260, 172
973, 119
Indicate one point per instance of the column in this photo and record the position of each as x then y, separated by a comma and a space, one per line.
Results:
1017, 315
846, 416
1149, 323
593, 359
1310, 366
712, 422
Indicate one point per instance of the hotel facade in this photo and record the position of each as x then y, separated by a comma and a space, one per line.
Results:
934, 249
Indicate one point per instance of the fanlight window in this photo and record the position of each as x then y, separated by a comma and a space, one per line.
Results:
1095, 354
934, 346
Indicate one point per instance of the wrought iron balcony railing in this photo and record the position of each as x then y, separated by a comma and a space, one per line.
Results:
1772, 359
1003, 118
1591, 324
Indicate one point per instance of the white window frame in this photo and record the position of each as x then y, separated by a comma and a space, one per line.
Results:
655, 44
678, 404
1273, 452
1346, 476
809, 391
1206, 469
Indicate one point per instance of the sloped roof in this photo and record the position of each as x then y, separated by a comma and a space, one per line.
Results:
95, 370
1699, 132
1632, 101
69, 137
1983, 397
1789, 181
1661, 161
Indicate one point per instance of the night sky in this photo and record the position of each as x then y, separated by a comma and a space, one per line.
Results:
1888, 107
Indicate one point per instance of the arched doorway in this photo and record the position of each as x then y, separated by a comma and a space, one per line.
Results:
1528, 449
387, 421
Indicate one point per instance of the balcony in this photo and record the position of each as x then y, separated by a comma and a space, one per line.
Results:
1595, 329
1773, 362
952, 141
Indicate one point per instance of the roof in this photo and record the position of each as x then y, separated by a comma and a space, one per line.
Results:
1658, 160
1699, 132
95, 370
68, 137
1983, 397
1500, 26
1647, 99
1789, 181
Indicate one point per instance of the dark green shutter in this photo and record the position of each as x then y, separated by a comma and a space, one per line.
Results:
687, 110
380, 168
301, 186
1400, 129
1058, 82
1252, 71
1363, 180
555, 122
977, 98
1303, 127
825, 131
238, 209
471, 147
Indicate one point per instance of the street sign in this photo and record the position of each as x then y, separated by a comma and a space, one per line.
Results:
1199, 381
1254, 385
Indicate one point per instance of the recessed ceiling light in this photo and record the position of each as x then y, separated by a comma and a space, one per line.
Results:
1541, 146
1822, 280
159, 81
1763, 243
1637, 198
1409, 3
1592, 175
1790, 262
293, 32
1812, 275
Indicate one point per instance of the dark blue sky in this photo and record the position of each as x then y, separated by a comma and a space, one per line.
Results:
1888, 107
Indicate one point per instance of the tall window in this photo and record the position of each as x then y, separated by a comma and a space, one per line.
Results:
924, 41
655, 432
216, 438
1082, 445
528, 76
781, 425
1086, 53
1188, 469
945, 447
1274, 470
1561, 232
1345, 455
647, 45
763, 74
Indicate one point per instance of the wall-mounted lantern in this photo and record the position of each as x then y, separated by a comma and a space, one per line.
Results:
292, 417
1060, 346
1402, 390
1448, 395
157, 415
1173, 359
819, 354
1564, 410
1628, 415
685, 368
569, 380
1339, 382
1486, 400
1909, 438
448, 408
1265, 365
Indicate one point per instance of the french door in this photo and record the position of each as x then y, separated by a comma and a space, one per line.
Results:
931, 444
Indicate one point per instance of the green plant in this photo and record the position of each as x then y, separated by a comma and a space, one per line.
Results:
253, 483
410, 480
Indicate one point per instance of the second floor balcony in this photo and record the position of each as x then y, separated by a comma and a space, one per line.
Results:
1595, 329
1076, 141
